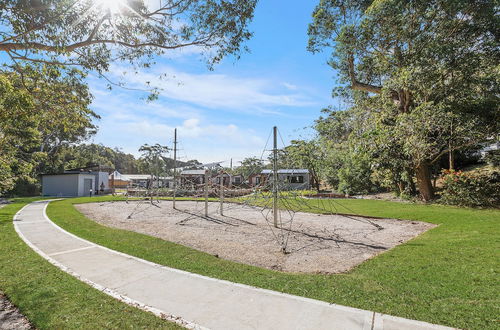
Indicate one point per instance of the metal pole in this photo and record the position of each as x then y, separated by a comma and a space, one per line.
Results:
222, 193
206, 193
113, 182
275, 176
175, 166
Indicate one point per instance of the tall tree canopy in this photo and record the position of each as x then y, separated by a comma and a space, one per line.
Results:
304, 154
425, 73
92, 33
250, 165
154, 158
41, 110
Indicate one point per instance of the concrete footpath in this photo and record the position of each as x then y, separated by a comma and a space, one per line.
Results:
191, 300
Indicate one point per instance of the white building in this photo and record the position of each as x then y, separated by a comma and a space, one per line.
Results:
140, 180
289, 179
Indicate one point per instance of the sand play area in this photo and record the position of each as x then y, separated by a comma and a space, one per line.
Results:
313, 243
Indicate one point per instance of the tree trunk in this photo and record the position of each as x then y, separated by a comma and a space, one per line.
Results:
451, 160
424, 181
315, 182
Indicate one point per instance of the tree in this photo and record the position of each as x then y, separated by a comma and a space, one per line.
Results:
308, 155
348, 165
414, 66
93, 33
154, 158
45, 108
251, 165
61, 99
18, 134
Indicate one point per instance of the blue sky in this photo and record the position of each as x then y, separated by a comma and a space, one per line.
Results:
228, 112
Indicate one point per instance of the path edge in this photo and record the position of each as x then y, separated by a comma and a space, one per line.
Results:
131, 302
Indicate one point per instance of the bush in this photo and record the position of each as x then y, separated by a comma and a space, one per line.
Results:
25, 188
493, 157
354, 177
471, 189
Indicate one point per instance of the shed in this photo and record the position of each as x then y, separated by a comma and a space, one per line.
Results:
290, 179
193, 176
69, 184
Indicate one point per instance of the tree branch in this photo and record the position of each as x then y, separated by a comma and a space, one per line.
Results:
356, 85
39, 46
446, 150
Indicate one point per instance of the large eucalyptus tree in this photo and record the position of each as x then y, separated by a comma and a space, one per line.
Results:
93, 33
425, 72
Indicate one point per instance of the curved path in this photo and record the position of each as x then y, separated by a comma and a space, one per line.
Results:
192, 300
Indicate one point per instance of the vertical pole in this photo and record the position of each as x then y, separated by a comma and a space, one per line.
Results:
206, 193
275, 176
175, 167
158, 172
221, 194
113, 182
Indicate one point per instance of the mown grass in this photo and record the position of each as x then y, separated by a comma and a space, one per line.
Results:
52, 299
449, 275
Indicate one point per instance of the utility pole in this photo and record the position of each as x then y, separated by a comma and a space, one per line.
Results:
275, 176
206, 193
231, 164
221, 193
175, 167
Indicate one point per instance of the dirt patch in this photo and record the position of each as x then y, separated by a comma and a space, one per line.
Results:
314, 243
10, 317
384, 197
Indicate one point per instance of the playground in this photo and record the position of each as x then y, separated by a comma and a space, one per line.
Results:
302, 242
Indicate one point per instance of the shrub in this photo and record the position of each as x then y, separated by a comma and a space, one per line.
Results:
354, 176
471, 189
493, 157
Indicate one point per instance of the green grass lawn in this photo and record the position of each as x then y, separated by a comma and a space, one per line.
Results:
449, 275
53, 299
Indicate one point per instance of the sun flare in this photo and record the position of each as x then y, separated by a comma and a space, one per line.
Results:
114, 6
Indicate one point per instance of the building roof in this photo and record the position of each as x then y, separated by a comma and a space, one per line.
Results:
128, 177
92, 168
287, 171
193, 172
68, 173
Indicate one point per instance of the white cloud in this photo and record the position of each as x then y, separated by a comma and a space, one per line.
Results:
215, 113
217, 90
289, 86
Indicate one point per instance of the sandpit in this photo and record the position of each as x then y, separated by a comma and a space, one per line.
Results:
314, 243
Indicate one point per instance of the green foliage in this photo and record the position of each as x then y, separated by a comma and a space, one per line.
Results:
83, 155
354, 176
304, 154
250, 165
493, 157
92, 33
154, 159
471, 189
42, 109
18, 133
349, 166
422, 77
